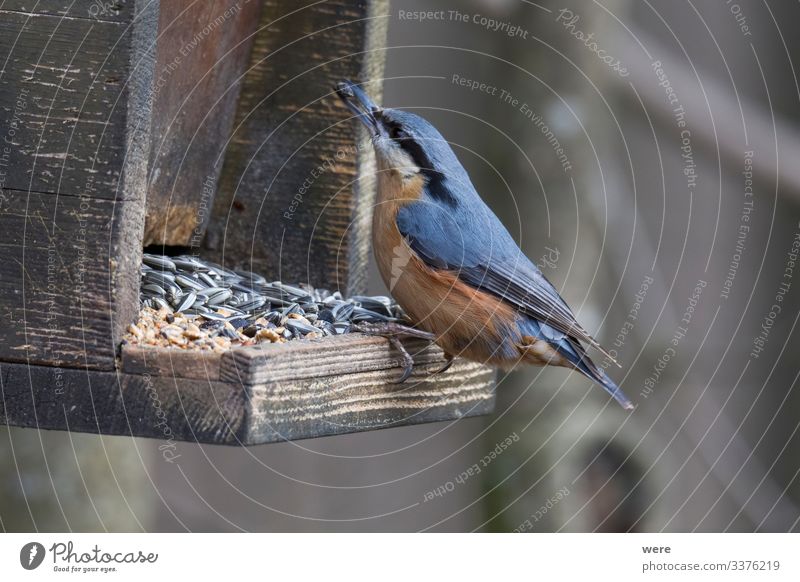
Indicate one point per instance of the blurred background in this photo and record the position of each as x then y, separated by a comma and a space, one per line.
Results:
645, 156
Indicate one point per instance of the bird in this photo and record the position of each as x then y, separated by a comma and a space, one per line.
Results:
451, 265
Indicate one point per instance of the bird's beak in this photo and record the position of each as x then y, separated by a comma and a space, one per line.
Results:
360, 104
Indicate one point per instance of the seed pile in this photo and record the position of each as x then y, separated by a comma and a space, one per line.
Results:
190, 303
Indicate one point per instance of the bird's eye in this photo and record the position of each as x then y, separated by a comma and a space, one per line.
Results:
398, 133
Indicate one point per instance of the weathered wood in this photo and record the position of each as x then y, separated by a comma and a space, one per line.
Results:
346, 354
96, 10
150, 398
63, 295
295, 194
203, 49
63, 103
188, 364
75, 100
101, 402
366, 401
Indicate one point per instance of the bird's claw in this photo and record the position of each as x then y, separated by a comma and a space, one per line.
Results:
392, 331
445, 367
408, 361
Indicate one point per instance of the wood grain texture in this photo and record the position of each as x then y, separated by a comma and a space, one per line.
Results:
73, 227
171, 363
95, 10
297, 409
203, 50
345, 354
65, 292
63, 102
296, 194
101, 402
161, 393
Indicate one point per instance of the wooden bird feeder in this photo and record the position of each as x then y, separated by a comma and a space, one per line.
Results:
201, 126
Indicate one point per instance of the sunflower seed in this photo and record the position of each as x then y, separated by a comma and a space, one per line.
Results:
219, 297
213, 315
187, 263
298, 326
343, 311
213, 297
274, 317
293, 308
295, 292
161, 303
326, 315
189, 282
378, 304
253, 304
187, 301
160, 278
238, 323
153, 288
275, 300
252, 278
207, 279
326, 327
361, 314
158, 262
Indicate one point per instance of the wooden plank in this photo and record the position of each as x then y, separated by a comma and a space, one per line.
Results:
176, 363
208, 411
97, 10
323, 358
301, 359
291, 410
295, 196
203, 50
63, 103
64, 296
73, 226
350, 353
308, 408
98, 402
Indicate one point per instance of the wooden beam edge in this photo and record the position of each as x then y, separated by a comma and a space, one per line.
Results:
298, 359
215, 412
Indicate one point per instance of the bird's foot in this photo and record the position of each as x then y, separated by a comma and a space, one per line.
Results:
446, 366
393, 331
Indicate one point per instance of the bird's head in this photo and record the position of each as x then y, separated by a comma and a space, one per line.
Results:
404, 143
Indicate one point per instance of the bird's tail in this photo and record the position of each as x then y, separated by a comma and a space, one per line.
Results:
609, 385
572, 351
578, 358
574, 354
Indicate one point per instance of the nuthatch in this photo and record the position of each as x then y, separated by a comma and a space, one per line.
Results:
451, 264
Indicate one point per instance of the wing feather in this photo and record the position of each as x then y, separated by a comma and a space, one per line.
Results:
477, 247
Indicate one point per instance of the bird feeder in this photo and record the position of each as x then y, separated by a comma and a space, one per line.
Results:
203, 126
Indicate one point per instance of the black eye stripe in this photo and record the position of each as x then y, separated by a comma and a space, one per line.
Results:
416, 152
396, 132
410, 145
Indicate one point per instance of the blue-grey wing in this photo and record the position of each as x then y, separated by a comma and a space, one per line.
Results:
473, 243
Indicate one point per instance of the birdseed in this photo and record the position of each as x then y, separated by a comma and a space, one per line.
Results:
189, 303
